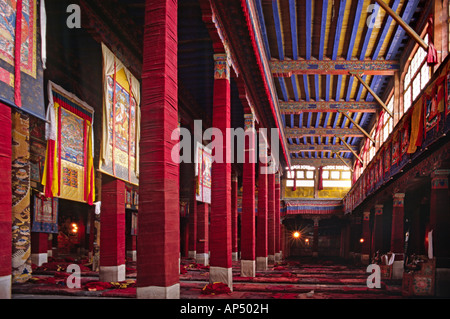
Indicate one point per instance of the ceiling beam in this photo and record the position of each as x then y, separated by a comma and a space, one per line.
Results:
321, 131
319, 148
317, 162
293, 107
333, 67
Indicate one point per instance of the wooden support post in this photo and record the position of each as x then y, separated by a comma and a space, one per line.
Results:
351, 149
403, 24
358, 76
343, 161
358, 127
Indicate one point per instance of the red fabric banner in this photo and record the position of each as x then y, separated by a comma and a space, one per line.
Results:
220, 241
5, 190
159, 220
234, 214
248, 204
17, 54
277, 216
112, 231
271, 214
261, 224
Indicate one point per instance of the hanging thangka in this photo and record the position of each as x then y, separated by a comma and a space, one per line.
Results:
395, 148
69, 164
45, 215
121, 120
387, 158
447, 107
431, 112
203, 168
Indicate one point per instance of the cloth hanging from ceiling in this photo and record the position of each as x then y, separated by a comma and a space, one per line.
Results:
45, 215
121, 121
69, 163
313, 207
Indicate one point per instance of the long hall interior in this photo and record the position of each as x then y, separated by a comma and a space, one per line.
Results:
239, 149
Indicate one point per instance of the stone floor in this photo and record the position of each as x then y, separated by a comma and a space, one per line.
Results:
292, 279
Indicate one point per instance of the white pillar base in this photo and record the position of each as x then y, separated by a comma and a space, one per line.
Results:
50, 253
248, 268
39, 259
202, 258
235, 256
132, 254
397, 269
271, 259
112, 273
154, 292
277, 257
261, 263
5, 287
192, 254
220, 274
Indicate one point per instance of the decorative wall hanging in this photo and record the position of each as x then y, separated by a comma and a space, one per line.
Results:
203, 173
121, 120
69, 163
45, 215
21, 192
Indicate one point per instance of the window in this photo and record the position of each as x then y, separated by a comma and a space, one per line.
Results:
388, 122
304, 176
336, 176
416, 77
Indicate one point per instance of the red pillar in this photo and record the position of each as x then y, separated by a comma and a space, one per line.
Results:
5, 202
39, 248
248, 265
377, 233
271, 218
112, 231
277, 219
159, 221
220, 242
397, 234
234, 217
202, 256
192, 246
315, 252
365, 245
261, 231
440, 226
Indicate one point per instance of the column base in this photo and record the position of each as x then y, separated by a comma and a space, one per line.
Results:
202, 258
248, 268
271, 259
112, 273
50, 253
397, 269
39, 259
365, 259
132, 254
235, 256
154, 292
261, 263
220, 274
5, 287
192, 254
277, 257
